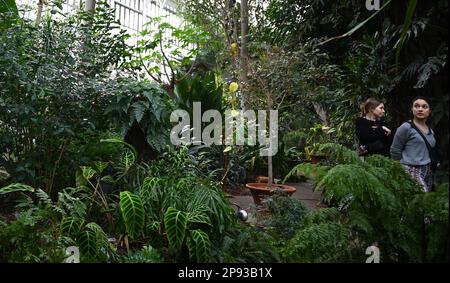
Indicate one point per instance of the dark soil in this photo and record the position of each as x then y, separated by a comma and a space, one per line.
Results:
240, 190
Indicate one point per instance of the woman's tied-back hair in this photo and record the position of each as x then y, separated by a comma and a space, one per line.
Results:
369, 104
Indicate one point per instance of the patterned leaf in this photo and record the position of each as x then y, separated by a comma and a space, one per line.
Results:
198, 217
175, 222
102, 238
87, 172
199, 245
87, 241
128, 159
71, 226
133, 213
100, 166
16, 187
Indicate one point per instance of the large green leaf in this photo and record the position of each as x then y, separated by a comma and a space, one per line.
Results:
87, 172
87, 241
127, 160
133, 213
102, 238
71, 226
16, 187
175, 222
199, 245
100, 166
137, 111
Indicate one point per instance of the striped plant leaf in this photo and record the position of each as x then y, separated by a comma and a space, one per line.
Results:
87, 242
199, 245
133, 213
16, 187
175, 222
71, 226
87, 172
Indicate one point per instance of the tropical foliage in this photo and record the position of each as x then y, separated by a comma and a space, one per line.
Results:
86, 162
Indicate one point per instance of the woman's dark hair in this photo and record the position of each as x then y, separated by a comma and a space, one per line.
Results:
423, 98
369, 104
417, 98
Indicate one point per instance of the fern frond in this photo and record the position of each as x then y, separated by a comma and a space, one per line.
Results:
70, 204
344, 180
322, 215
339, 154
325, 242
147, 254
138, 110
311, 171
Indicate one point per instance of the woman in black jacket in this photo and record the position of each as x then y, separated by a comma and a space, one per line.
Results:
374, 136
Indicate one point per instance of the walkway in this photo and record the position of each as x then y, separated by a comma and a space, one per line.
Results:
304, 193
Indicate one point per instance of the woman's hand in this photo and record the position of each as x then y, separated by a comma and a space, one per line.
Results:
386, 130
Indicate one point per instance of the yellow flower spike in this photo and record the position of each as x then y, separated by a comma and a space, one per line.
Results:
234, 49
233, 87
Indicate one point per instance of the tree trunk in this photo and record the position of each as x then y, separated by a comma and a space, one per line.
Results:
90, 5
244, 51
39, 12
269, 157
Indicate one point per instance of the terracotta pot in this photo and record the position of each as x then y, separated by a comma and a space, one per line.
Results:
265, 179
316, 158
260, 190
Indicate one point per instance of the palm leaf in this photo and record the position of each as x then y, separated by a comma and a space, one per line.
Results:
358, 26
408, 18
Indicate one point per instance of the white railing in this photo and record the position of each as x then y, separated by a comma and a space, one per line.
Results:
132, 14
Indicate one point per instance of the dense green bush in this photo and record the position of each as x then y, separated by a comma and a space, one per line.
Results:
376, 202
54, 84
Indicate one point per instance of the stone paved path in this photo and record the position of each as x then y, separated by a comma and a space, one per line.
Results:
304, 193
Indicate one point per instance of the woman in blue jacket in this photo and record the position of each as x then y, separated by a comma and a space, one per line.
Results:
410, 148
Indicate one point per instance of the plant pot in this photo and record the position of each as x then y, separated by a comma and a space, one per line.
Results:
260, 190
316, 158
265, 179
